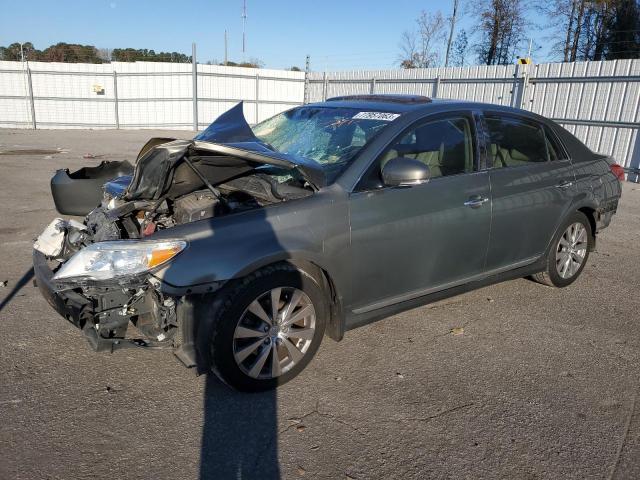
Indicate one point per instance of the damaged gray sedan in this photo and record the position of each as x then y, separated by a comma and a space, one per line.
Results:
242, 248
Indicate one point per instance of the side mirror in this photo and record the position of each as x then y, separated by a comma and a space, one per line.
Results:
404, 172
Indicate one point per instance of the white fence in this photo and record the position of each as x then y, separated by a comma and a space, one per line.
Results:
598, 101
139, 95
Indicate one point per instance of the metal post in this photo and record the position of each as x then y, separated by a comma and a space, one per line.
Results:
436, 87
372, 88
514, 87
635, 160
194, 76
524, 84
307, 65
115, 99
257, 96
31, 101
226, 56
325, 85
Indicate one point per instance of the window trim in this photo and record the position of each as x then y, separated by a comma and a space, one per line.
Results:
555, 138
468, 115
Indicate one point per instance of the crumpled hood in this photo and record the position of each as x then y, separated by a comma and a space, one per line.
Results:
236, 149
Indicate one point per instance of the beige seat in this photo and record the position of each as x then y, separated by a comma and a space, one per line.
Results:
503, 157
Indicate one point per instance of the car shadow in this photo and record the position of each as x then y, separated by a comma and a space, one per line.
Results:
240, 430
26, 278
239, 434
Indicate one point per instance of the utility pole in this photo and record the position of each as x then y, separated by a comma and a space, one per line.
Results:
244, 28
226, 56
307, 70
194, 79
28, 87
453, 26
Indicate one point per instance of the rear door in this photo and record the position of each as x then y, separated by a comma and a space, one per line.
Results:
409, 241
532, 187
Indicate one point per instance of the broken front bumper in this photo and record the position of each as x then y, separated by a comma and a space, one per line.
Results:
91, 316
80, 311
71, 305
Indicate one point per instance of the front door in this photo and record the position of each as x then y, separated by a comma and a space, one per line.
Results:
409, 241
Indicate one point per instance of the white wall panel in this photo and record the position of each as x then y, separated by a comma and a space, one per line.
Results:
156, 95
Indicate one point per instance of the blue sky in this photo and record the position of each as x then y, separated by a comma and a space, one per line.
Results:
337, 34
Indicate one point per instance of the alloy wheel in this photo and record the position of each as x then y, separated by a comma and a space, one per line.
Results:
274, 333
571, 250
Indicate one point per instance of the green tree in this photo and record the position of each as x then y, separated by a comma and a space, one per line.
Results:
13, 53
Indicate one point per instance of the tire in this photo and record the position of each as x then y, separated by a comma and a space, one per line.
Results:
232, 328
560, 273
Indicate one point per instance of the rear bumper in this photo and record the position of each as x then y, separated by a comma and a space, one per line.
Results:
71, 305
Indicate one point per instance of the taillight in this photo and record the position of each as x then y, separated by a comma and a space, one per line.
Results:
618, 171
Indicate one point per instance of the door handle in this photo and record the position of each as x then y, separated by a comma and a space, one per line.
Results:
476, 201
564, 184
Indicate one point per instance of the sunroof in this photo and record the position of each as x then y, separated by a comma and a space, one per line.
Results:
409, 99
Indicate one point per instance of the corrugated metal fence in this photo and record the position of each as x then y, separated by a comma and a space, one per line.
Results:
597, 101
139, 95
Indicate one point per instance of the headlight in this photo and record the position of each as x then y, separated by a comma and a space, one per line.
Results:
106, 260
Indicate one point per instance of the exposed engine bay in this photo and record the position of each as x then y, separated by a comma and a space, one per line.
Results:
174, 182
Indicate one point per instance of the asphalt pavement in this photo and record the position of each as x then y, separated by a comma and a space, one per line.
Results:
516, 380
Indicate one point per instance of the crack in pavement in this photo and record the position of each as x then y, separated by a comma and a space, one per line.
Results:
430, 417
625, 435
316, 411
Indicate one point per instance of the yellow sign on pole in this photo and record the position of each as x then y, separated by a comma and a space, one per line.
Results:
524, 61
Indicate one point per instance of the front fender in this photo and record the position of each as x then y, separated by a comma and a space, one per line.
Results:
312, 229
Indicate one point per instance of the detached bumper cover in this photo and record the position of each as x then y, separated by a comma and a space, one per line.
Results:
71, 305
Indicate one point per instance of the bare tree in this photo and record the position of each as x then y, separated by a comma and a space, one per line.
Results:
409, 57
593, 29
459, 53
420, 48
501, 25
104, 54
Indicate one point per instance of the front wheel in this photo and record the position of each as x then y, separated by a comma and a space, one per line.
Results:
568, 253
266, 329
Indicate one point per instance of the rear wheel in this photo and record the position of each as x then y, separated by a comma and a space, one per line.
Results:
568, 253
267, 328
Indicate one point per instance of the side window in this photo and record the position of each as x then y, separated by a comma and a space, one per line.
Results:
514, 142
445, 146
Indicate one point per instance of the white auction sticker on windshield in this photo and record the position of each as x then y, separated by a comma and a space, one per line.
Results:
384, 116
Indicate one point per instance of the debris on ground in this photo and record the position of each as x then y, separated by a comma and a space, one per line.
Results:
4, 283
457, 331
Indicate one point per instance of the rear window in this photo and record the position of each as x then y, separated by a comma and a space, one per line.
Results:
514, 142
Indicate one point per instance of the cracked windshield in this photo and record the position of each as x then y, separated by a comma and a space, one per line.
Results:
330, 136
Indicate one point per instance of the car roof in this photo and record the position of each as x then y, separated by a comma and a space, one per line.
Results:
397, 103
